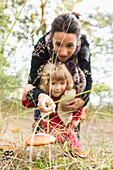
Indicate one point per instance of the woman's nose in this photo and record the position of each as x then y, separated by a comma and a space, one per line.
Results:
63, 51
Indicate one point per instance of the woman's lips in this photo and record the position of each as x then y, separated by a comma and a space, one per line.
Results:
62, 58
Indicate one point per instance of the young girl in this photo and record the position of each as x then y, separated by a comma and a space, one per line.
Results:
57, 82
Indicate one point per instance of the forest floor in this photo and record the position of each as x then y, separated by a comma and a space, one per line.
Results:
94, 131
96, 138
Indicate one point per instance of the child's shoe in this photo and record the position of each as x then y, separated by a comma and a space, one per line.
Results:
82, 154
79, 154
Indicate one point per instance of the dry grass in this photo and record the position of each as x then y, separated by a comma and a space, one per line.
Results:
96, 138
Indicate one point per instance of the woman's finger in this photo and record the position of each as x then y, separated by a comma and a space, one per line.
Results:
70, 102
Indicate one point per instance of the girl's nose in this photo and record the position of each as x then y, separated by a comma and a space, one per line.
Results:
58, 86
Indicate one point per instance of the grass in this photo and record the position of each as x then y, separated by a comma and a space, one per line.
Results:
93, 139
100, 159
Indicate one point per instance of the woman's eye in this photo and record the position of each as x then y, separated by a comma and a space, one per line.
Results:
53, 83
69, 46
58, 44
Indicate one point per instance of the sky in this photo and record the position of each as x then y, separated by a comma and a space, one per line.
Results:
86, 6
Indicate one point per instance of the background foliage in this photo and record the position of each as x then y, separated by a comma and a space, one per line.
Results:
23, 22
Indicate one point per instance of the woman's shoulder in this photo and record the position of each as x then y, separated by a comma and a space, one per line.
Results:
42, 39
84, 52
40, 49
84, 40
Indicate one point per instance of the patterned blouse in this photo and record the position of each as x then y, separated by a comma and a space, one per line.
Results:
79, 62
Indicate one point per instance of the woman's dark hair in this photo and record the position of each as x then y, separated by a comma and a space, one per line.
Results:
68, 23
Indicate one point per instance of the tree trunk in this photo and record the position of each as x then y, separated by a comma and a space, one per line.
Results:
43, 6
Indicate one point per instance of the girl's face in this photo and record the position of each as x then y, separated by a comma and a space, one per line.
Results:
64, 45
58, 87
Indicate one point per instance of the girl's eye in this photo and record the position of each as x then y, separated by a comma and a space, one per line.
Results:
53, 83
62, 83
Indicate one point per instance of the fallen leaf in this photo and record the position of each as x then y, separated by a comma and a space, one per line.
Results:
15, 129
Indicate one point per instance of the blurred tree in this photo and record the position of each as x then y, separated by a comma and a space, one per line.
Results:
8, 82
98, 26
43, 9
32, 23
102, 91
66, 6
25, 29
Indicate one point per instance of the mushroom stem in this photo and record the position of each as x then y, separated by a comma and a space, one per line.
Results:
31, 146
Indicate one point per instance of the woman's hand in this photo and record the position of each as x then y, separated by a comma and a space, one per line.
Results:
73, 105
26, 90
46, 103
75, 123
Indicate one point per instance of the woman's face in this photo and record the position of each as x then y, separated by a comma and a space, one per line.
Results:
64, 45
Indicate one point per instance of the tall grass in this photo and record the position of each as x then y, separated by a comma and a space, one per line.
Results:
96, 138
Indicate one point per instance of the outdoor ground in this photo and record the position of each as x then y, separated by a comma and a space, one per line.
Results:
96, 131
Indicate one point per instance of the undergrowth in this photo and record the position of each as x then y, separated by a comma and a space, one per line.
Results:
53, 156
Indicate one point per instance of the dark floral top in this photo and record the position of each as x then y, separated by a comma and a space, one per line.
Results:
43, 53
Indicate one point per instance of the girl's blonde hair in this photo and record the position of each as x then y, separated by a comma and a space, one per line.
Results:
58, 72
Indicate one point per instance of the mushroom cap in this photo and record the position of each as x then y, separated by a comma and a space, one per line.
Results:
40, 139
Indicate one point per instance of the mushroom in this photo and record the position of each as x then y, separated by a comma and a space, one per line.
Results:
40, 139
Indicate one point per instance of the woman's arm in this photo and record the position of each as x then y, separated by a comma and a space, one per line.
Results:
40, 57
87, 72
84, 62
25, 101
26, 90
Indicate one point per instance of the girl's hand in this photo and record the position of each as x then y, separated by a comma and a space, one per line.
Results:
26, 90
46, 103
73, 105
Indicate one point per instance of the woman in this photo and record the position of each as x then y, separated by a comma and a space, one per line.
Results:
66, 44
57, 82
